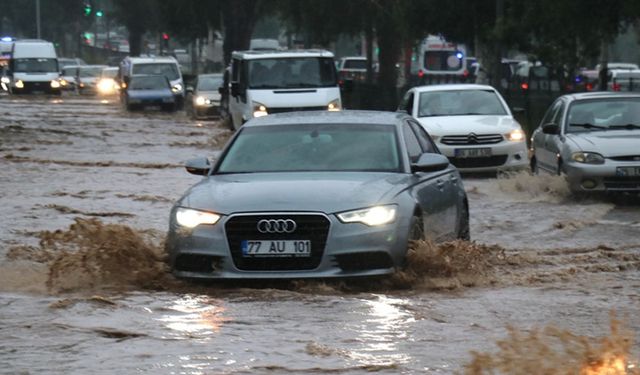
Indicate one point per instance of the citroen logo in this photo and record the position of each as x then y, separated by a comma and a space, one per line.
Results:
472, 138
276, 226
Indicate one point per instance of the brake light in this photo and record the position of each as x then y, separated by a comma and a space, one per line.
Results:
524, 86
589, 87
421, 73
616, 87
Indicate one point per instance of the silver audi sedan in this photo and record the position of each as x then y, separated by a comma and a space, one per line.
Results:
593, 139
316, 194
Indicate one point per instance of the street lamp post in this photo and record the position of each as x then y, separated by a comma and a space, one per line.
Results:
38, 18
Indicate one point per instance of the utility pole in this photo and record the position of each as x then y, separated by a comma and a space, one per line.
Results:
38, 18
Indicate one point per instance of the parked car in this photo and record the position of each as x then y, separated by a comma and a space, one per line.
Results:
593, 139
87, 78
471, 124
203, 98
148, 90
316, 194
107, 84
352, 68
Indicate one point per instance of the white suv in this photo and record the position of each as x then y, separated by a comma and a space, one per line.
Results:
471, 124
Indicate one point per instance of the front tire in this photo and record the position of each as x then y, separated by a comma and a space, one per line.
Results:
464, 233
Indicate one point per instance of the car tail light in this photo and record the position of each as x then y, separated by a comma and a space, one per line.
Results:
616, 87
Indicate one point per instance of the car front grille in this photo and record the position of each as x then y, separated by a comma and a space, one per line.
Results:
622, 183
488, 162
626, 158
471, 139
312, 227
293, 109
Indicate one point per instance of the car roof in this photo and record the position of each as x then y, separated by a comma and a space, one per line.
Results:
600, 95
255, 55
354, 58
346, 117
451, 87
147, 60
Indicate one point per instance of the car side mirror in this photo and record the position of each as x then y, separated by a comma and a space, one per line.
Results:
550, 129
235, 89
429, 162
198, 166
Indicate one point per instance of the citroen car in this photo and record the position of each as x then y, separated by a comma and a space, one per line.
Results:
316, 195
593, 139
471, 124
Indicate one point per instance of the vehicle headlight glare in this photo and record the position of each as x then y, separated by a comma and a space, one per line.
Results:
19, 84
55, 84
176, 88
334, 105
587, 158
516, 135
200, 100
259, 110
5, 80
373, 216
106, 85
190, 218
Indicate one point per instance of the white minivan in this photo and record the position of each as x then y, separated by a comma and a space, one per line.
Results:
33, 67
266, 82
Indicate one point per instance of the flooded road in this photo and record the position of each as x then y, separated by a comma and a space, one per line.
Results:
86, 190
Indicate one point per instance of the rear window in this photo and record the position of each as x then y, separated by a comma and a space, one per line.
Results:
442, 60
355, 64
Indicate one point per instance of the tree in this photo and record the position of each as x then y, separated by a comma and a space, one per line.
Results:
138, 17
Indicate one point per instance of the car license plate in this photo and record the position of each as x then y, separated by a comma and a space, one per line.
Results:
288, 248
472, 152
628, 171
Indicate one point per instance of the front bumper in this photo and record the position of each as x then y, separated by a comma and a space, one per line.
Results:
603, 177
505, 155
350, 250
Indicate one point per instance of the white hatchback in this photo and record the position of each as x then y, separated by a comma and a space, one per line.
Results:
471, 124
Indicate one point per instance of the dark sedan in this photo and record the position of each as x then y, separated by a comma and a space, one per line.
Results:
149, 90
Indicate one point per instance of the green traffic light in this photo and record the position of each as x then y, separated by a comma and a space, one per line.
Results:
87, 10
99, 13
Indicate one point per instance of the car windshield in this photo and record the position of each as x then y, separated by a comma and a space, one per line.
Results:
109, 73
326, 147
149, 83
287, 73
209, 83
35, 65
69, 71
90, 72
169, 70
460, 103
355, 64
603, 114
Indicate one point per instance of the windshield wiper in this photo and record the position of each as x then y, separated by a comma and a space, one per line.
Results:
627, 126
590, 126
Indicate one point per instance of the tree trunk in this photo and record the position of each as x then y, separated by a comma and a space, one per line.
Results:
390, 48
239, 18
135, 42
603, 76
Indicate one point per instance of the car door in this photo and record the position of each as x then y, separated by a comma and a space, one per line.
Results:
427, 188
237, 102
447, 182
544, 144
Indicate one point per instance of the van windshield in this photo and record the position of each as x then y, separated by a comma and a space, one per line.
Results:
292, 72
169, 70
39, 65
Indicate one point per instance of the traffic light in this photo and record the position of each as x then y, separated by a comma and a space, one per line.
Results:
165, 41
99, 13
87, 9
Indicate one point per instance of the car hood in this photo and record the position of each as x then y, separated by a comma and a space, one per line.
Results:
138, 94
327, 192
610, 143
463, 125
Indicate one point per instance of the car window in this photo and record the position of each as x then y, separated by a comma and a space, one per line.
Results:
208, 83
169, 70
551, 113
426, 143
414, 150
313, 147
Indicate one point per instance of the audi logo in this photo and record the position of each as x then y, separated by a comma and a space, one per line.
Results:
276, 226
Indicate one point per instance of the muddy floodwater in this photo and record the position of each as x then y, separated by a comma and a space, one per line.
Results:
550, 281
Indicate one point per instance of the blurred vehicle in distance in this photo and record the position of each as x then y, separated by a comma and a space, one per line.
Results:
471, 125
87, 78
107, 84
264, 45
593, 139
266, 82
67, 61
203, 98
33, 68
440, 61
352, 68
166, 66
68, 75
623, 80
619, 66
148, 90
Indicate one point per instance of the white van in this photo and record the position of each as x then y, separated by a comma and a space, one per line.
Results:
265, 82
33, 67
440, 61
165, 66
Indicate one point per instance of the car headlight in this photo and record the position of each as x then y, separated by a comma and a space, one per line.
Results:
259, 110
587, 158
55, 84
19, 84
176, 88
334, 105
190, 218
372, 216
5, 80
106, 85
201, 100
516, 135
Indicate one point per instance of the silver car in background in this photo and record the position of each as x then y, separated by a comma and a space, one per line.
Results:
593, 139
316, 194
